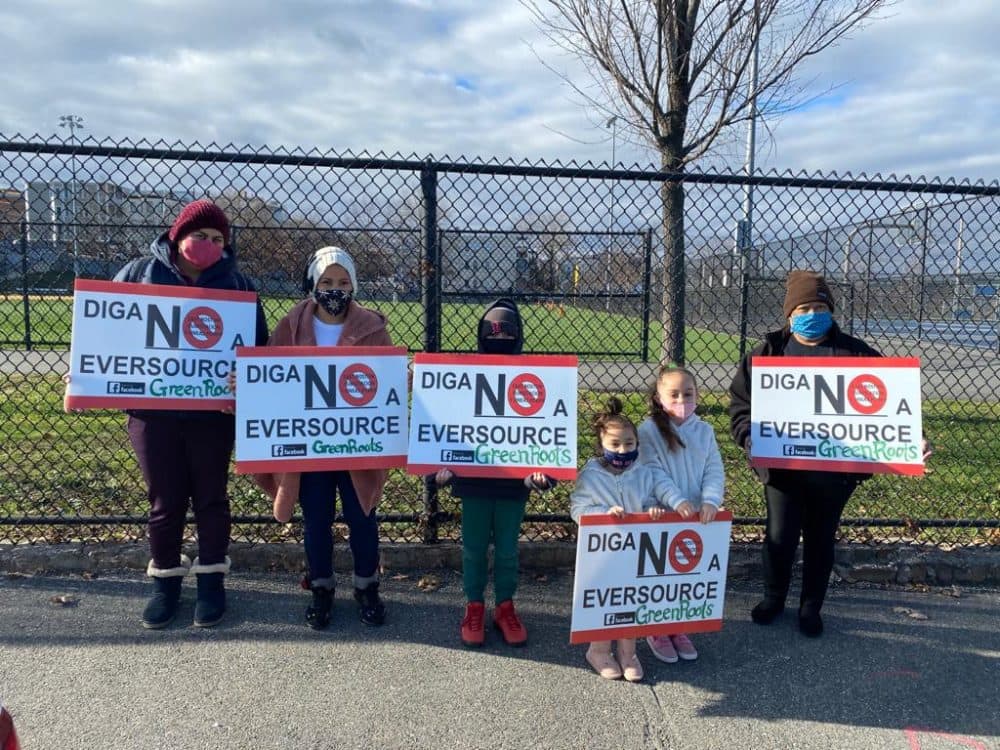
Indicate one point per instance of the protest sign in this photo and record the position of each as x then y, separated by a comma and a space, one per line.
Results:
637, 577
847, 414
146, 346
485, 415
308, 408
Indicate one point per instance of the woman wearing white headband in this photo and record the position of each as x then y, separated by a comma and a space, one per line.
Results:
329, 316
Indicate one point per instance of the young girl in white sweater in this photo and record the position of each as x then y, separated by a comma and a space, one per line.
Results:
615, 483
676, 440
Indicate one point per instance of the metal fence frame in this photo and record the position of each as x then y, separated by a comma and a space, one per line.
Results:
744, 270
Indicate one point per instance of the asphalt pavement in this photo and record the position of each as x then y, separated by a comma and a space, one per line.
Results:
896, 669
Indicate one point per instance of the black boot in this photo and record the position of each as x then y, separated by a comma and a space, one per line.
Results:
810, 623
161, 609
767, 611
370, 607
211, 603
318, 613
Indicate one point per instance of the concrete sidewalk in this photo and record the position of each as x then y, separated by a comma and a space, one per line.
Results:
87, 676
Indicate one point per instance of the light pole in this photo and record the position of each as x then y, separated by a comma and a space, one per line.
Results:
73, 122
613, 124
744, 227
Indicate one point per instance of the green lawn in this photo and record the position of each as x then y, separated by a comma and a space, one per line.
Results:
549, 328
82, 465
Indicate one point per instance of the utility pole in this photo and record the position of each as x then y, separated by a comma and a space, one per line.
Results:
73, 122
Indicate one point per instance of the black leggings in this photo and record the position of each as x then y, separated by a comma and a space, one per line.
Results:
811, 506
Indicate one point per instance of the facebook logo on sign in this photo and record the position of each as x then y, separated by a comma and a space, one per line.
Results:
289, 450
124, 388
458, 456
799, 450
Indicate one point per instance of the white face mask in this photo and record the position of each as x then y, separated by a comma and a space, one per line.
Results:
681, 410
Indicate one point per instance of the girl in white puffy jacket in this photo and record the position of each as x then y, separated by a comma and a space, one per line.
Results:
674, 439
615, 483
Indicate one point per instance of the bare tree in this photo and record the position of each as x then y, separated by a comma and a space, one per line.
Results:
678, 74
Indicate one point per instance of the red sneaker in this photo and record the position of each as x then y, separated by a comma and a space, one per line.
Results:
473, 632
509, 624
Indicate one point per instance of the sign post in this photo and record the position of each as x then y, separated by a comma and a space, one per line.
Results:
320, 408
637, 577
846, 414
493, 415
147, 346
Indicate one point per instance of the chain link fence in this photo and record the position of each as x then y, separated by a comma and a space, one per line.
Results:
915, 266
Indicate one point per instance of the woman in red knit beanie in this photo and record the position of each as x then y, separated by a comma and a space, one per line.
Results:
184, 455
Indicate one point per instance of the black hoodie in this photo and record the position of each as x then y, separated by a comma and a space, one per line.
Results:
480, 487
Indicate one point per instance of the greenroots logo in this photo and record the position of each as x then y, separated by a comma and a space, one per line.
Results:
350, 447
530, 455
205, 389
682, 612
878, 450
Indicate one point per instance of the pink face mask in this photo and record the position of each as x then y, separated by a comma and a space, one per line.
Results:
680, 411
201, 253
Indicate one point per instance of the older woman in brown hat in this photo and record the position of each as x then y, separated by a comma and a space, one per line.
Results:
806, 502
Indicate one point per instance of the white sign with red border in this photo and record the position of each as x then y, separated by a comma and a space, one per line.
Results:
847, 414
309, 408
487, 415
637, 577
151, 346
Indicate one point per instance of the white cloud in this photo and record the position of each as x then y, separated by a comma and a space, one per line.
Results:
461, 78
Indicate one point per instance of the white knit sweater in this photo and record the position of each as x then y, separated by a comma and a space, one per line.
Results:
636, 489
695, 471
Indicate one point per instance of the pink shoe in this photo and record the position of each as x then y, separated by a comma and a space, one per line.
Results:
685, 649
604, 663
632, 668
662, 648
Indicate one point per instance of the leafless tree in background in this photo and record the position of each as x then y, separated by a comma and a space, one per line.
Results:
678, 75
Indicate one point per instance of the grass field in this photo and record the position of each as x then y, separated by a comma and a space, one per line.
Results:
82, 465
550, 328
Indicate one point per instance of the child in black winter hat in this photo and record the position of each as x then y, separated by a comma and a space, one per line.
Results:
492, 509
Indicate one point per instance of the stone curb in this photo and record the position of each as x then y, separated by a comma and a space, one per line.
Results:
900, 564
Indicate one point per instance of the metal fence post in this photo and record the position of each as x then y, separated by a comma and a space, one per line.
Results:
745, 241
431, 297
923, 270
24, 285
647, 282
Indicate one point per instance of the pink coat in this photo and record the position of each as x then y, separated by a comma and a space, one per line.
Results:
362, 327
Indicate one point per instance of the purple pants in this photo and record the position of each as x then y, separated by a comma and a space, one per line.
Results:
185, 460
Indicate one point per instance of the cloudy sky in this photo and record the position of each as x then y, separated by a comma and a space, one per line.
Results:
916, 92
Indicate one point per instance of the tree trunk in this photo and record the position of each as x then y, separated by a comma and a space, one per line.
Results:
672, 314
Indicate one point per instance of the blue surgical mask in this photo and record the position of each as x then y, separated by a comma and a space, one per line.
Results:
812, 325
621, 460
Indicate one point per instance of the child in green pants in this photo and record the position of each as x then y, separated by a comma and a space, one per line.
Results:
492, 509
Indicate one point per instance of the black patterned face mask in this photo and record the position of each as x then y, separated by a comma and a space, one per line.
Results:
334, 301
